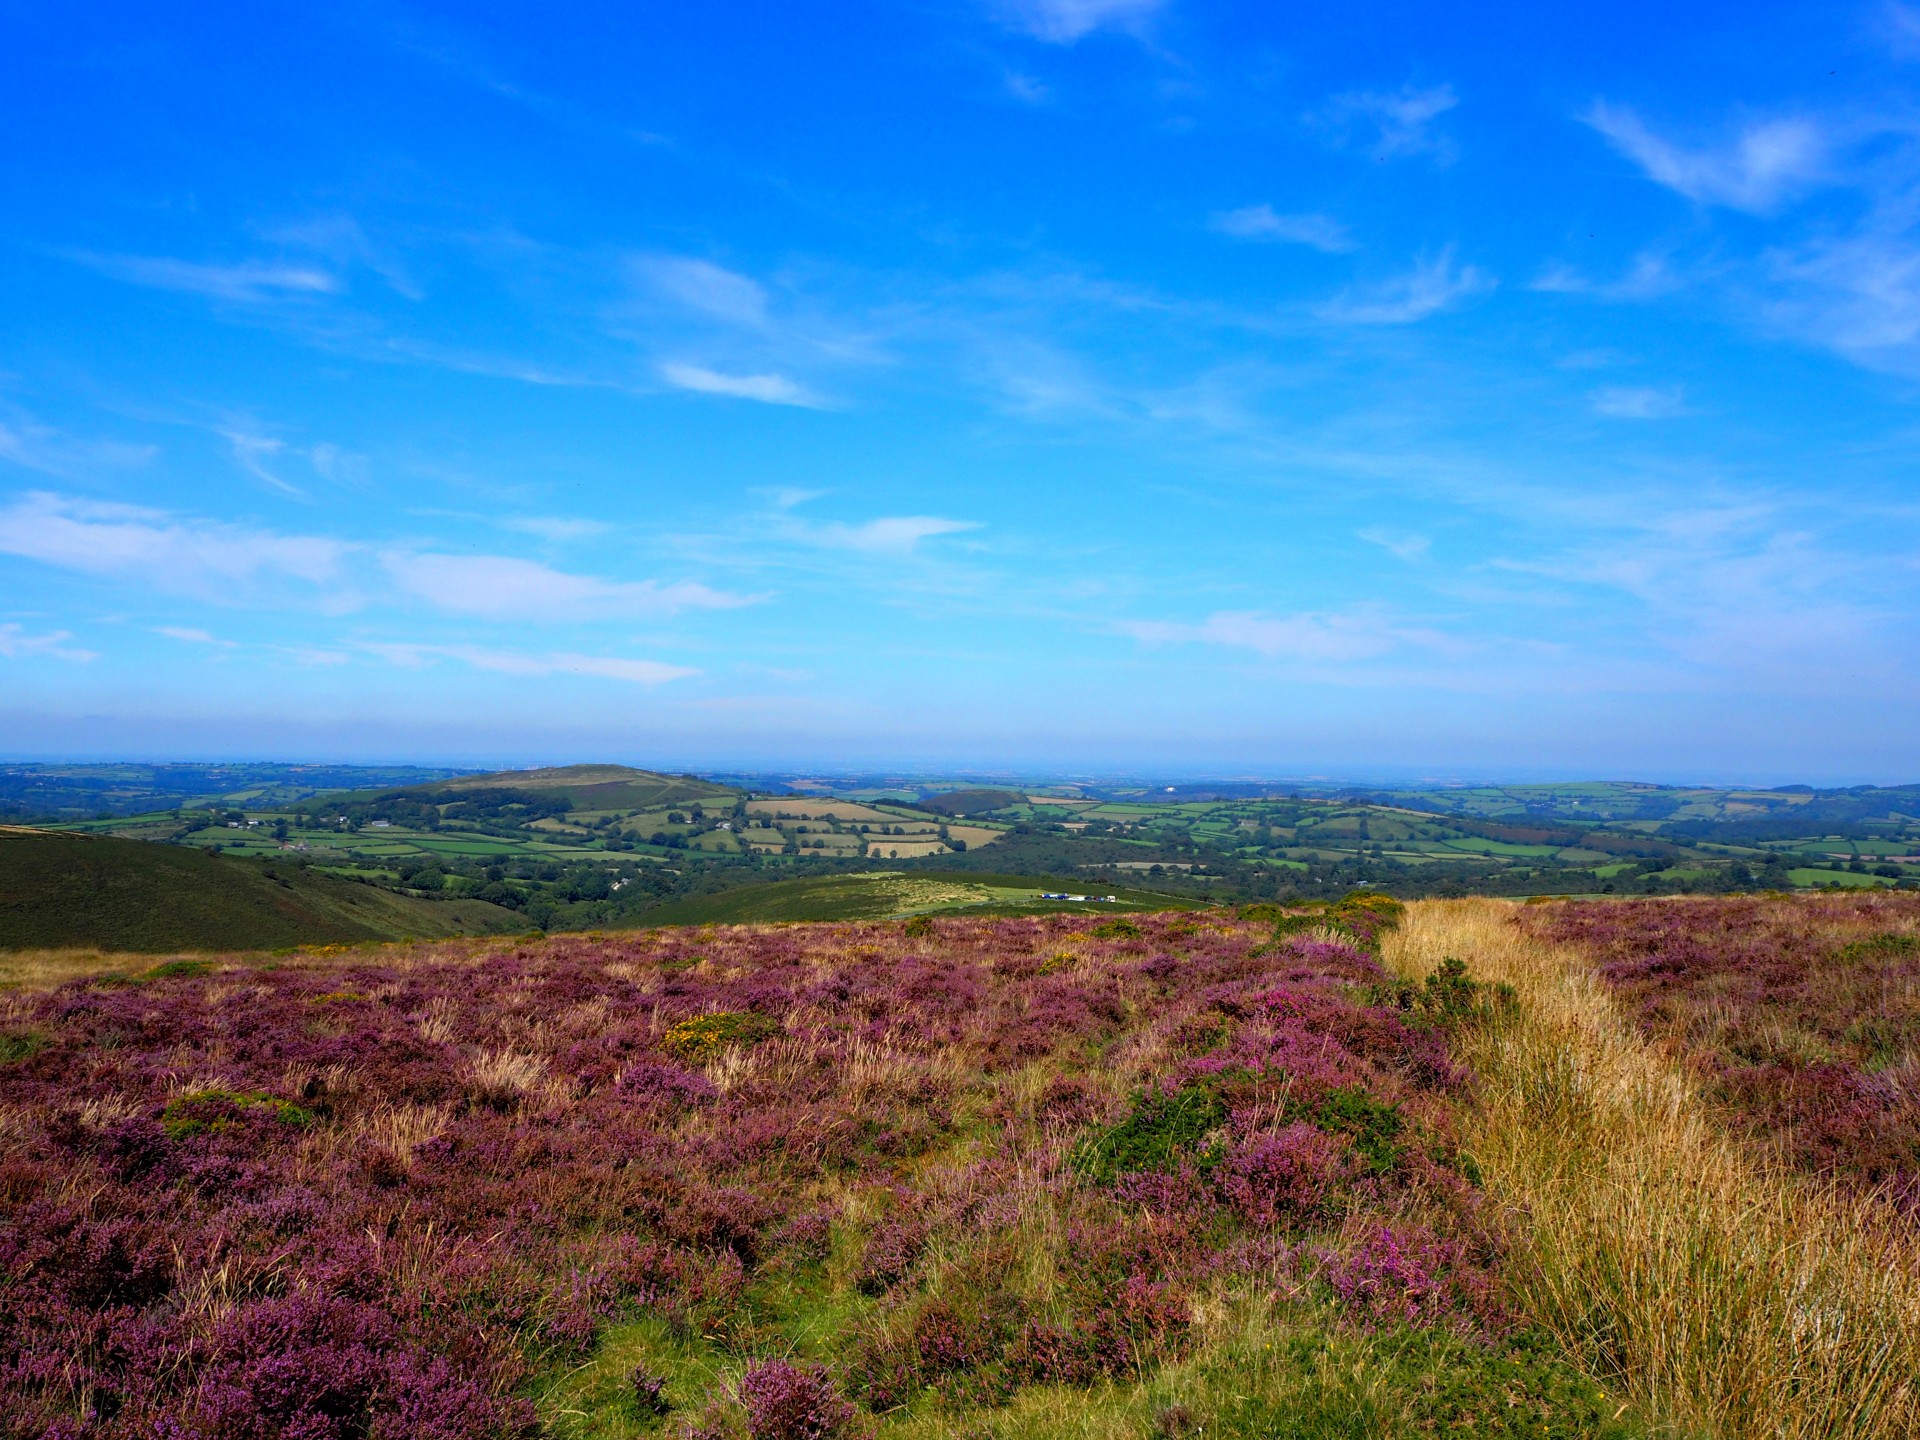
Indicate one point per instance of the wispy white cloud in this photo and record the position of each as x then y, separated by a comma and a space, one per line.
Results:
1639, 402
1406, 546
1324, 637
1261, 222
314, 655
150, 547
247, 281
1767, 162
1436, 283
17, 644
1391, 123
340, 239
1900, 28
341, 467
34, 446
193, 635
559, 529
1650, 275
520, 662
1026, 89
1062, 22
888, 535
769, 389
251, 452
1736, 586
708, 289
502, 587
1859, 295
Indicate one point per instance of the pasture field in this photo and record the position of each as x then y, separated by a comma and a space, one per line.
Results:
888, 894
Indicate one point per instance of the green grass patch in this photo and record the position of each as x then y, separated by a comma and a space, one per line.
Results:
205, 1112
18, 1045
1161, 1133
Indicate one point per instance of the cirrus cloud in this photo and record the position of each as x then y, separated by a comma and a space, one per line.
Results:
1434, 284
247, 281
1765, 164
503, 587
520, 662
1262, 222
17, 644
1323, 636
131, 542
1063, 22
768, 389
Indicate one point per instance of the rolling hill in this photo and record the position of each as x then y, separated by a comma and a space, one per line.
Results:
592, 787
60, 889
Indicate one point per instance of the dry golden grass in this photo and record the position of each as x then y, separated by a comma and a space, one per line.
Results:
45, 969
1686, 1272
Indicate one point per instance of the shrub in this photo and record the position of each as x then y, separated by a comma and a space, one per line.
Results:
792, 1402
649, 1392
650, 1080
1161, 1133
1876, 947
210, 1112
1116, 930
890, 1253
1287, 1177
704, 1036
179, 969
448, 1245
1409, 1276
1374, 1126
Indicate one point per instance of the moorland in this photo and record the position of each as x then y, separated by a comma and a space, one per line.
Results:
1345, 1168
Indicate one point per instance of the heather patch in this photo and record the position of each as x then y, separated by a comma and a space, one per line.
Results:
758, 1183
1801, 1014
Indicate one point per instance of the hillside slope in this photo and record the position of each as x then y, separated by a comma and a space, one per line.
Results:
593, 787
61, 889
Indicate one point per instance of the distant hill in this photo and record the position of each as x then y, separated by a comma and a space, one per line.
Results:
82, 792
971, 802
593, 787
59, 889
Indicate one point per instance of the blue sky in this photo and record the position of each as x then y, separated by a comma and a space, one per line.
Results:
1081, 384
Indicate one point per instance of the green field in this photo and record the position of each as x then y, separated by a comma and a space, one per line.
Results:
881, 895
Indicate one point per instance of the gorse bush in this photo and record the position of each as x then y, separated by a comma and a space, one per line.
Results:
701, 1037
1162, 1132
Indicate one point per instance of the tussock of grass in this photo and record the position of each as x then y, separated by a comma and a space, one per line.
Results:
1727, 1295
